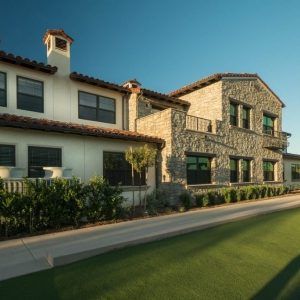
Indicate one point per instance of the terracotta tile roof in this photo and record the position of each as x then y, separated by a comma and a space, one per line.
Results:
98, 82
14, 121
27, 63
291, 156
59, 32
164, 97
216, 77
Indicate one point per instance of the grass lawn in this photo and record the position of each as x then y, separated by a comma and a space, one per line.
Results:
258, 258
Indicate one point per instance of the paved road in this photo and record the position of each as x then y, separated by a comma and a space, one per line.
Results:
27, 255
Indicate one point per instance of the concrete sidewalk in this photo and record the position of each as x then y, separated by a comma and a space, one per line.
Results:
27, 255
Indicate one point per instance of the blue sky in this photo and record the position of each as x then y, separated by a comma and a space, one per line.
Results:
166, 44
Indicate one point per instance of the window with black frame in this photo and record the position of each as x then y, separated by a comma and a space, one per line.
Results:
117, 170
39, 157
7, 155
268, 167
268, 124
3, 101
246, 117
233, 110
96, 108
234, 170
30, 94
246, 169
295, 171
198, 169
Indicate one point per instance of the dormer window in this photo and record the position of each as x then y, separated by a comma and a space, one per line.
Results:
60, 44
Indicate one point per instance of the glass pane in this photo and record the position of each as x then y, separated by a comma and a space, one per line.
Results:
106, 103
7, 155
204, 163
268, 166
2, 98
39, 157
87, 113
233, 109
246, 165
191, 159
106, 116
30, 87
87, 99
31, 103
192, 166
118, 171
233, 164
2, 81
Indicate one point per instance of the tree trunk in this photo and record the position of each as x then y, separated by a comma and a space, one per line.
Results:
140, 188
132, 183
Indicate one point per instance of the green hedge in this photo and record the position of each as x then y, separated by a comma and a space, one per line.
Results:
231, 195
62, 203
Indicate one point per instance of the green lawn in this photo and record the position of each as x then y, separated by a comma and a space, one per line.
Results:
258, 258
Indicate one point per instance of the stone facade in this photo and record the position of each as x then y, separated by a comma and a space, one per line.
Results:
224, 141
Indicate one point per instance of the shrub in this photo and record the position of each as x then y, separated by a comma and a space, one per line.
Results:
226, 195
202, 200
185, 199
104, 201
156, 201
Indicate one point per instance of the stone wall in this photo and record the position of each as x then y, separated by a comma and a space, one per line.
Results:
206, 102
226, 141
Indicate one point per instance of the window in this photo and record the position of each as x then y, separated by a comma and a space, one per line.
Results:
30, 94
7, 155
233, 114
234, 170
246, 117
2, 89
39, 157
60, 44
268, 124
268, 167
246, 168
295, 171
118, 171
198, 170
97, 108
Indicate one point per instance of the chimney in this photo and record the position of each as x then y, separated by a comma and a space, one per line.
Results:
58, 45
133, 85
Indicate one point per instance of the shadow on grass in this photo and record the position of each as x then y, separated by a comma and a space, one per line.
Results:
273, 288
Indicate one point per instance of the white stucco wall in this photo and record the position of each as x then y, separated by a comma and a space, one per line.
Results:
287, 164
60, 96
81, 153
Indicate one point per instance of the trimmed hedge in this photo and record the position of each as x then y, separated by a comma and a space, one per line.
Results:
231, 195
62, 203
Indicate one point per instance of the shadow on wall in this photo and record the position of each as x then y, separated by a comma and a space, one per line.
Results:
274, 287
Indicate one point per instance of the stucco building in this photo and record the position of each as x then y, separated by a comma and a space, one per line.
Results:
223, 130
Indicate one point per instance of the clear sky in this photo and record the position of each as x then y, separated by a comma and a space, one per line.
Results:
166, 44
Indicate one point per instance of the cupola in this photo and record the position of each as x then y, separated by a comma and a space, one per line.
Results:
58, 45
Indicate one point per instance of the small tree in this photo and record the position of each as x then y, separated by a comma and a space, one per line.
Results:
140, 158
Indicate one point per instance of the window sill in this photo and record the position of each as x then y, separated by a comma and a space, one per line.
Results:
247, 130
128, 188
241, 183
205, 185
272, 182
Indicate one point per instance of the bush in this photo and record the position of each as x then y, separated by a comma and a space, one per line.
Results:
202, 200
156, 202
104, 201
185, 199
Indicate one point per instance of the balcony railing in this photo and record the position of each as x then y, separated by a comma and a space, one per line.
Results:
275, 140
198, 124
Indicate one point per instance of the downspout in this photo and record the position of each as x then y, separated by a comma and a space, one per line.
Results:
159, 149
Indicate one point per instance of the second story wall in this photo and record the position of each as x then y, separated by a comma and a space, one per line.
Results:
206, 102
59, 97
253, 95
